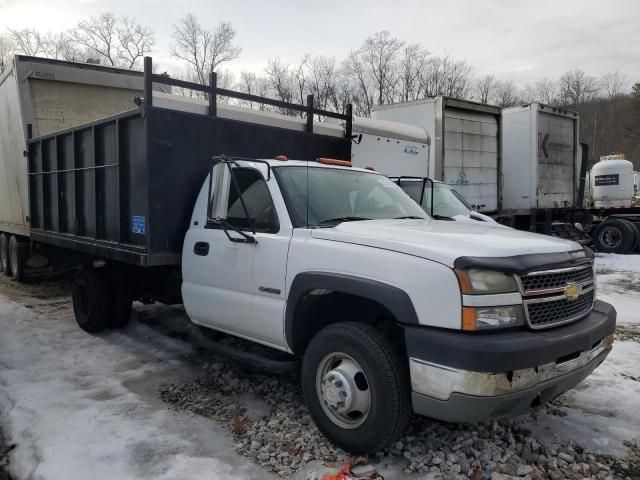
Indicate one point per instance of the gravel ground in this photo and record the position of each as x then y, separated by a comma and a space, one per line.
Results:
272, 427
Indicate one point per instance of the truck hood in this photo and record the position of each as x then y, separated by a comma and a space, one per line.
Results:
444, 241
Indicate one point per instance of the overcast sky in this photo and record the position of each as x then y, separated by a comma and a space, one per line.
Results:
514, 39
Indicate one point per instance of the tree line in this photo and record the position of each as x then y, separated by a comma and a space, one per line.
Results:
383, 69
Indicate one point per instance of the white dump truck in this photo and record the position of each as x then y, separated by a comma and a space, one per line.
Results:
259, 224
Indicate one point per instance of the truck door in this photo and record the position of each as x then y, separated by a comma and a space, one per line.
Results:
229, 284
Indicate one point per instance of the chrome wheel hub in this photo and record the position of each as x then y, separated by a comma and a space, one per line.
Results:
343, 390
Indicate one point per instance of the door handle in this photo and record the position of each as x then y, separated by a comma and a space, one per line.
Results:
201, 248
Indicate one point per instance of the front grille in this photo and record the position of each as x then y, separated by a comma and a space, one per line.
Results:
552, 312
556, 279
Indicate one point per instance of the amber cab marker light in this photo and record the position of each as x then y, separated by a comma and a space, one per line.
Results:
334, 161
282, 158
464, 281
468, 318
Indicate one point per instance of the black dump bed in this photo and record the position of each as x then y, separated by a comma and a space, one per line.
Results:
123, 188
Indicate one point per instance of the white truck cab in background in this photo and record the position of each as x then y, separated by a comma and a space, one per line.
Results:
402, 152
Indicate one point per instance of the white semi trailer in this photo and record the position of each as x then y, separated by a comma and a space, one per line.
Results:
39, 96
465, 146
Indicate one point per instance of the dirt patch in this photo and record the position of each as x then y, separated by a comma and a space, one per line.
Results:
628, 332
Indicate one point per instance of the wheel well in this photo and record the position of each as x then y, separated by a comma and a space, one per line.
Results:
319, 308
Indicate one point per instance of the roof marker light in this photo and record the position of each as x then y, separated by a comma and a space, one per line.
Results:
333, 161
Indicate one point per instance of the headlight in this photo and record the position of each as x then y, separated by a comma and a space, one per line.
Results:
483, 318
474, 281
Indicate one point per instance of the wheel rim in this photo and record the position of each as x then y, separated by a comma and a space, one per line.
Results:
343, 390
611, 237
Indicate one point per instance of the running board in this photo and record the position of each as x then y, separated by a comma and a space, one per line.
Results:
255, 360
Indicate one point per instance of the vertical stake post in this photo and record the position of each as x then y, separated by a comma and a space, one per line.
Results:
213, 87
309, 113
148, 82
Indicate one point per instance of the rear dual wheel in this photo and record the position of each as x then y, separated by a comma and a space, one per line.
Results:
616, 235
101, 299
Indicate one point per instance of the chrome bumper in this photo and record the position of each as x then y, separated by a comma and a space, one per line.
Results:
440, 382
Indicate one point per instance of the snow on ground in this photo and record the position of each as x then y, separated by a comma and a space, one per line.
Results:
619, 284
82, 406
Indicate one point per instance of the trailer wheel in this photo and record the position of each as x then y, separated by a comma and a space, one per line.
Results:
615, 235
92, 299
356, 387
122, 299
16, 259
4, 254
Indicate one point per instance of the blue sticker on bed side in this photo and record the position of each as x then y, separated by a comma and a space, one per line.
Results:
138, 224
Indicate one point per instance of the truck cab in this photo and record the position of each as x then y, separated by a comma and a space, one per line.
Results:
440, 200
389, 309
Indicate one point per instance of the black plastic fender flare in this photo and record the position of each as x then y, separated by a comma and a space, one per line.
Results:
396, 300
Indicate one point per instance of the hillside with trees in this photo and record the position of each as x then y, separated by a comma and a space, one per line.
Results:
382, 69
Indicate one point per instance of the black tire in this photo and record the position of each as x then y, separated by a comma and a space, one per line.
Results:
386, 376
122, 299
92, 299
615, 235
5, 267
16, 259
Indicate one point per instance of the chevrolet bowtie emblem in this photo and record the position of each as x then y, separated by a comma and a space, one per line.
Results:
572, 291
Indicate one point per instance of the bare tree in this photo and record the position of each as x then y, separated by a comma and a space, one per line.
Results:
411, 66
7, 47
379, 53
359, 82
506, 94
27, 40
61, 46
447, 76
485, 88
201, 49
98, 36
135, 41
577, 87
252, 84
113, 41
321, 73
613, 84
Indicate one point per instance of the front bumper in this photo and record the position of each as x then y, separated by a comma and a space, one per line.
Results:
461, 377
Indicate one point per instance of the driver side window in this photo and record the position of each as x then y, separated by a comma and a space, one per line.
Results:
257, 199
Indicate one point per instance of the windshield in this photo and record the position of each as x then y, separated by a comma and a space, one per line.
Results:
337, 195
446, 201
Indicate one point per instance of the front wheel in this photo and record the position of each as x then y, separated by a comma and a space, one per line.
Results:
356, 387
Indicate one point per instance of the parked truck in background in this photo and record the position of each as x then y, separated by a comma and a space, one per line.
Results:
37, 97
534, 179
465, 145
401, 152
388, 310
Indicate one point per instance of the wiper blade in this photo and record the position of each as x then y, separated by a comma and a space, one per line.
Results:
443, 217
342, 219
409, 217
